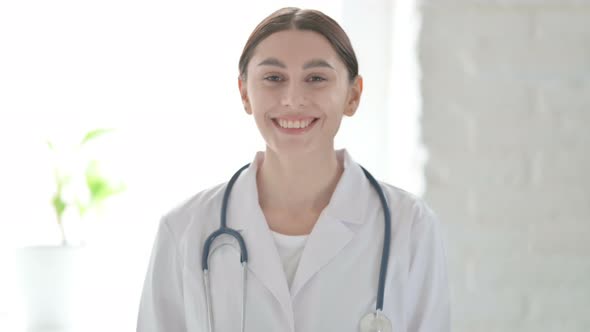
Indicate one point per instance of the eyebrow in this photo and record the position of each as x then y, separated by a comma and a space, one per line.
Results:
310, 64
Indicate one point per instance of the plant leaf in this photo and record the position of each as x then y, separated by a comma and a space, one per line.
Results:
50, 145
59, 205
100, 188
94, 134
82, 208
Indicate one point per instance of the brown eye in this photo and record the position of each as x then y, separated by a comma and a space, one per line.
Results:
272, 78
316, 79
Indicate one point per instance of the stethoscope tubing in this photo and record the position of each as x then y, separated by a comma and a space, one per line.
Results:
223, 229
386, 239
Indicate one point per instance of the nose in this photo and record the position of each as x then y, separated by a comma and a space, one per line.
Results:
294, 96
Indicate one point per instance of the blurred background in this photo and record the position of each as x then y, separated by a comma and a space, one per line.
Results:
481, 107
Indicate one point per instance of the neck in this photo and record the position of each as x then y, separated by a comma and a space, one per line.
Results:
297, 184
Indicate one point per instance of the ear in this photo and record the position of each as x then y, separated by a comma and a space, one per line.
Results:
244, 95
354, 96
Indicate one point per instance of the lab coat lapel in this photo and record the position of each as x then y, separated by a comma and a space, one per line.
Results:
245, 215
329, 236
333, 231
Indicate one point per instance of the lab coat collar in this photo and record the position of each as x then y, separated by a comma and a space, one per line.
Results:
346, 203
330, 234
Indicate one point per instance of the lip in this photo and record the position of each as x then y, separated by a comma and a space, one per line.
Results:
295, 131
294, 117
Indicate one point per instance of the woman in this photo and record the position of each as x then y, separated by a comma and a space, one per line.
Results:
312, 222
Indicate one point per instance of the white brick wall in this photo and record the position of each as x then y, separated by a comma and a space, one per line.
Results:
506, 120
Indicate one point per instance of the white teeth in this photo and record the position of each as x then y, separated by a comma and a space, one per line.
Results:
294, 124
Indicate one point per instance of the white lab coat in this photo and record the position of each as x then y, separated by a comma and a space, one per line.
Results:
335, 283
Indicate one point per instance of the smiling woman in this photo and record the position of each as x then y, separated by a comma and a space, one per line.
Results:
323, 246
286, 83
158, 74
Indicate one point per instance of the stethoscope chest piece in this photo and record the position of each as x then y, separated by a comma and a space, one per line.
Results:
375, 322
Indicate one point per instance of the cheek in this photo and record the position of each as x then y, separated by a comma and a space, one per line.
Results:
330, 101
260, 97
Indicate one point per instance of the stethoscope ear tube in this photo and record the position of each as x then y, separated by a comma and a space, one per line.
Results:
230, 185
223, 226
213, 236
386, 239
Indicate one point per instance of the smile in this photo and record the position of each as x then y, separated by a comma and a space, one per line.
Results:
294, 124
297, 125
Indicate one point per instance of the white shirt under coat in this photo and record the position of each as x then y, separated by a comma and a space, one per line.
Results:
335, 283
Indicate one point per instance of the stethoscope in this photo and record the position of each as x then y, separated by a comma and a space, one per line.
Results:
375, 321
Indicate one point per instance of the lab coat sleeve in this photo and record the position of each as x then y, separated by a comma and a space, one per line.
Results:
428, 288
161, 308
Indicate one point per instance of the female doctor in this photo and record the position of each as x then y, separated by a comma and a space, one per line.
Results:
304, 239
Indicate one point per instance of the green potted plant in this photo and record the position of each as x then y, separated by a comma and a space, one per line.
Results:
51, 276
97, 186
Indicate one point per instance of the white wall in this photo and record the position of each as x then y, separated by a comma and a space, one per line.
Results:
506, 95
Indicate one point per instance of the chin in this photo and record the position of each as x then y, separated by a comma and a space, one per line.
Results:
298, 148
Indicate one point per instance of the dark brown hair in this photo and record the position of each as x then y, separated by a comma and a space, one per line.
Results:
301, 19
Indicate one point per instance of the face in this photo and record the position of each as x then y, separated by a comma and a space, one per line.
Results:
297, 88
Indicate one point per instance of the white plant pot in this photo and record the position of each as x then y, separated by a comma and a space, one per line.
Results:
50, 280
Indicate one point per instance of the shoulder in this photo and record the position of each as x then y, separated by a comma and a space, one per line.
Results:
197, 209
408, 207
415, 224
